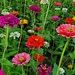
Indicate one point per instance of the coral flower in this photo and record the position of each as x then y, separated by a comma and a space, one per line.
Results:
39, 57
43, 70
35, 9
14, 12
2, 72
57, 4
66, 30
37, 28
55, 18
35, 42
21, 59
69, 20
9, 20
73, 3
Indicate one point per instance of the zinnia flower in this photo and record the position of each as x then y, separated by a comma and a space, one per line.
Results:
9, 20
55, 18
37, 28
66, 30
57, 8
39, 57
24, 21
35, 9
15, 34
57, 4
2, 35
35, 42
5, 12
44, 2
73, 13
2, 72
30, 31
64, 9
69, 20
62, 71
46, 44
21, 59
73, 18
43, 70
14, 12
70, 66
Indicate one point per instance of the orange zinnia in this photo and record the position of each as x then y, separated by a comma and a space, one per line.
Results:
14, 12
39, 58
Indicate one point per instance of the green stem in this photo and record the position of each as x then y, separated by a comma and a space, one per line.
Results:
6, 41
46, 17
4, 4
20, 37
61, 58
23, 73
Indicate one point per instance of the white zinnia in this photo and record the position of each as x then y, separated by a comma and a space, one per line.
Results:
73, 1
30, 31
62, 71
64, 9
46, 44
57, 8
2, 35
15, 34
44, 2
5, 12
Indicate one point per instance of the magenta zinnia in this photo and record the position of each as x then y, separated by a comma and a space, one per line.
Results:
43, 70
2, 72
35, 9
66, 30
21, 59
55, 18
9, 20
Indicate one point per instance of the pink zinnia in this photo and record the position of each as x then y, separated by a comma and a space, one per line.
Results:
21, 59
2, 72
55, 18
66, 30
57, 4
35, 9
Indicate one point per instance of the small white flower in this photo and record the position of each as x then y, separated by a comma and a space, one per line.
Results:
2, 35
64, 9
46, 44
5, 12
30, 31
15, 34
57, 8
62, 71
73, 1
44, 2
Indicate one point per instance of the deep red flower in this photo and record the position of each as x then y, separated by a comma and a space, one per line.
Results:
66, 30
35, 41
69, 20
57, 4
39, 58
73, 13
37, 28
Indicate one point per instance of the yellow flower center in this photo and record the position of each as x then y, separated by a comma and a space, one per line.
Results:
70, 29
70, 66
44, 68
21, 59
36, 39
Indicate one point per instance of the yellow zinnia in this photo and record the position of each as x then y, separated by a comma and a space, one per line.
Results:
24, 21
73, 18
70, 66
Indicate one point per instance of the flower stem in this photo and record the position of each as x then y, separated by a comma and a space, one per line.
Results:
4, 4
23, 73
6, 41
61, 58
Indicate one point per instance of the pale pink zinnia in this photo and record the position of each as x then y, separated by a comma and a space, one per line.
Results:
21, 59
66, 30
57, 4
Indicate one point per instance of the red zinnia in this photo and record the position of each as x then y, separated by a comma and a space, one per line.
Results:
69, 20
73, 13
39, 58
35, 41
37, 28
